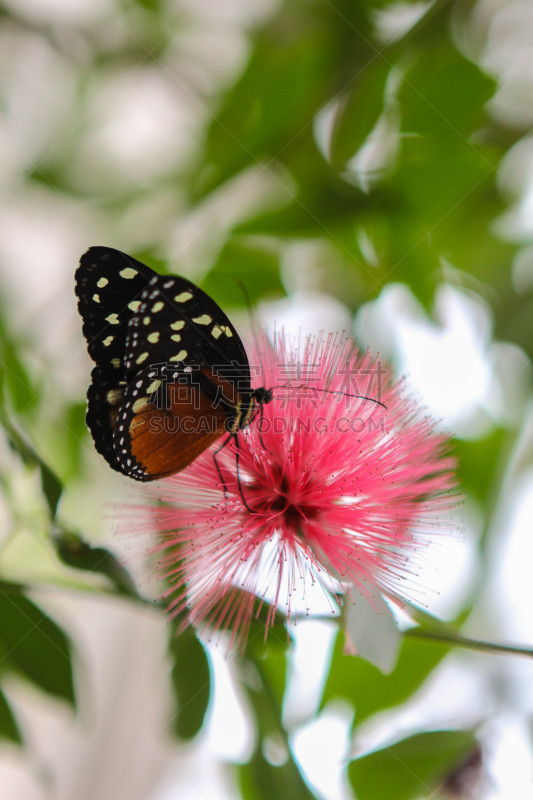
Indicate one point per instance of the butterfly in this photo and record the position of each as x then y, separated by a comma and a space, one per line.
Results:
171, 376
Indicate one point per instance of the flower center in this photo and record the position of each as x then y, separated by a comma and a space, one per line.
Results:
294, 506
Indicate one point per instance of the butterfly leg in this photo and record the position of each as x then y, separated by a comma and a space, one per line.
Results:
252, 418
237, 453
261, 428
217, 465
235, 437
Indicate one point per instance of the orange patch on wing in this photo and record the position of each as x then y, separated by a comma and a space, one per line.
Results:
226, 390
166, 440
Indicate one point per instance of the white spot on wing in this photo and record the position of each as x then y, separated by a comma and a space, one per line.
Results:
154, 386
139, 405
128, 272
179, 356
182, 297
113, 396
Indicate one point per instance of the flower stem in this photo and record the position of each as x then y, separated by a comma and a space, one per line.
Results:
451, 638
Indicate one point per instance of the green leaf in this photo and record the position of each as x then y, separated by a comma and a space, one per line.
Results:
191, 681
412, 768
360, 112
34, 645
14, 379
246, 263
513, 312
272, 771
367, 689
302, 57
150, 5
51, 485
444, 185
265, 106
76, 553
8, 725
431, 104
478, 460
262, 780
73, 438
270, 660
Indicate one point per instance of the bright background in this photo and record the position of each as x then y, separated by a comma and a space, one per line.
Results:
358, 164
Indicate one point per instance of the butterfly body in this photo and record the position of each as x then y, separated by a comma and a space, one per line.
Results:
171, 376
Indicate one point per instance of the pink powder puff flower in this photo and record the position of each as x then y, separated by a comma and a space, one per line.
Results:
341, 491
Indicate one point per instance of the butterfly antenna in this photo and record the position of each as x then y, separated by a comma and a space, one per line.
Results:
334, 391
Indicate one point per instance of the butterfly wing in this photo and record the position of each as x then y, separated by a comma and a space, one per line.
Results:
179, 324
161, 426
150, 333
108, 285
103, 397
179, 338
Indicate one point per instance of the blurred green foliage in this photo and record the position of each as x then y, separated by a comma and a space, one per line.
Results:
367, 689
34, 646
190, 680
403, 182
415, 767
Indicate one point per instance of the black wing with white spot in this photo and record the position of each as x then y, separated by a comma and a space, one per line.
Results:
109, 285
180, 325
104, 398
142, 328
